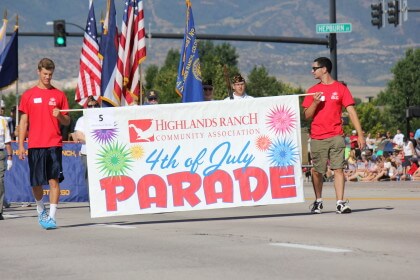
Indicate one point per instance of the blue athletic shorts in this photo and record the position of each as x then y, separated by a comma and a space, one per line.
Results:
45, 164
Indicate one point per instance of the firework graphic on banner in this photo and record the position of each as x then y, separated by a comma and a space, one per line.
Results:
114, 160
137, 152
281, 120
283, 153
263, 143
104, 136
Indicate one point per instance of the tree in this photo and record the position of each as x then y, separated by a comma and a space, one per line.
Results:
402, 90
150, 77
165, 85
225, 52
260, 84
163, 79
371, 118
219, 64
9, 101
214, 61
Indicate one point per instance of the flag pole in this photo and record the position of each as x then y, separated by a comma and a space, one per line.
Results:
17, 83
17, 39
73, 110
78, 110
141, 87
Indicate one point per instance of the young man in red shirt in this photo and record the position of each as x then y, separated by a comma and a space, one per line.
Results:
40, 112
327, 142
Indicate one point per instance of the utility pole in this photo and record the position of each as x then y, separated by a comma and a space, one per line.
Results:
333, 41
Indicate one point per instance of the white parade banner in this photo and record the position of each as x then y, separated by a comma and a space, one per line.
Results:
194, 156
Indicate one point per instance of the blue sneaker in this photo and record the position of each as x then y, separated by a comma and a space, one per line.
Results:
42, 216
46, 221
50, 224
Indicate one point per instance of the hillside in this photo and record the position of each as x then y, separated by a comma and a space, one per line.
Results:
365, 56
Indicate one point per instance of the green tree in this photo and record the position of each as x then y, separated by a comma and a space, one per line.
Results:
164, 79
260, 84
9, 101
402, 90
218, 63
150, 77
165, 85
371, 118
213, 60
172, 60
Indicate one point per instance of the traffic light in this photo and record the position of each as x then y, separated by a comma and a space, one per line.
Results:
59, 33
377, 13
393, 12
413, 112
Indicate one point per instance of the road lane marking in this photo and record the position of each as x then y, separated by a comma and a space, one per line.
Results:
314, 248
11, 216
115, 226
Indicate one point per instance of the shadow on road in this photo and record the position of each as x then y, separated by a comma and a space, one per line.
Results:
125, 223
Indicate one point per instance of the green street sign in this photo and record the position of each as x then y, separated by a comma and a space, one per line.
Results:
333, 28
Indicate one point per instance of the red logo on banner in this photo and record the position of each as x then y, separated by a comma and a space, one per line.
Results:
141, 130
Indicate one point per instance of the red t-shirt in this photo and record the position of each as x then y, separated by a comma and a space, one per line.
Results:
413, 168
326, 122
44, 128
353, 141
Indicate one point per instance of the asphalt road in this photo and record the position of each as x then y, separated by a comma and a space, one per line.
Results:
379, 240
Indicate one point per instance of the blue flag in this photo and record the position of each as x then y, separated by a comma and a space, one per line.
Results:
188, 81
9, 62
108, 52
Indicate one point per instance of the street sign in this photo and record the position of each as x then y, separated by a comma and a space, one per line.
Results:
333, 28
404, 10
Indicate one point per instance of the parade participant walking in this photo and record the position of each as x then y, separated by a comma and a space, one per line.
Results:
239, 86
80, 136
40, 113
208, 90
5, 152
152, 97
324, 107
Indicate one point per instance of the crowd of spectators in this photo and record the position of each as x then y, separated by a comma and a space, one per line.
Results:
387, 157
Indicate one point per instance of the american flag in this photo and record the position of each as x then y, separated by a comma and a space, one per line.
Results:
3, 35
89, 81
131, 52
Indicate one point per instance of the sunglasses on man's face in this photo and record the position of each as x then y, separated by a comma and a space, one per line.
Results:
152, 99
316, 68
208, 89
92, 106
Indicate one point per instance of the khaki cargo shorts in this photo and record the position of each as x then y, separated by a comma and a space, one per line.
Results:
330, 150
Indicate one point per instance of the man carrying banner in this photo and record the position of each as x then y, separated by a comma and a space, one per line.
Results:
323, 105
40, 107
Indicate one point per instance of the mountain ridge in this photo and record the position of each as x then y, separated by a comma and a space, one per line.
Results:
365, 56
